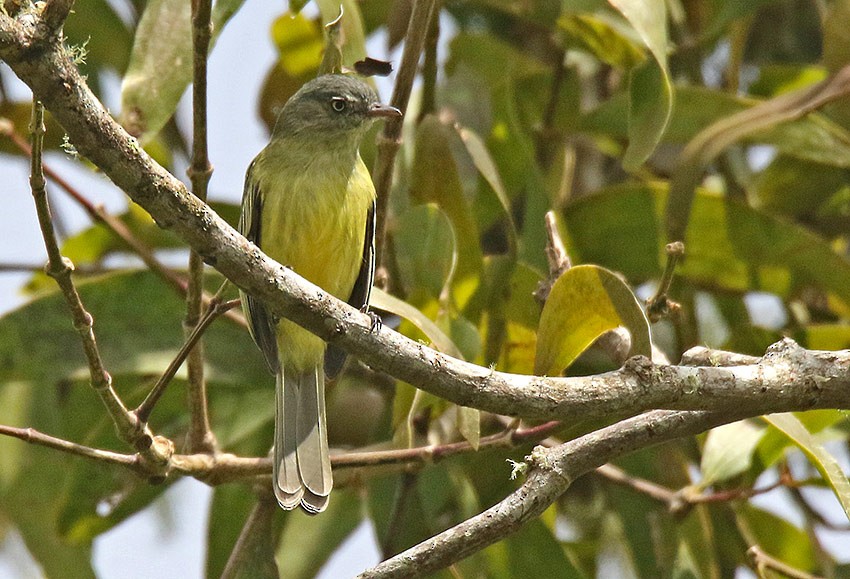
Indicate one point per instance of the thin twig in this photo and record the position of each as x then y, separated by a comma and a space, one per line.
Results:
60, 268
40, 439
778, 382
547, 135
762, 562
216, 309
390, 140
98, 214
221, 468
812, 513
645, 487
551, 471
34, 268
200, 435
428, 101
660, 306
679, 501
253, 554
556, 256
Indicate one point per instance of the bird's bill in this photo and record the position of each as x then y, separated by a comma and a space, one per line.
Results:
381, 110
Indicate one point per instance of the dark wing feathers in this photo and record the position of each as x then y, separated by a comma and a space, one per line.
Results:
260, 321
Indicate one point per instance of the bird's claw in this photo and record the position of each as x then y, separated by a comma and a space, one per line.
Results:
376, 322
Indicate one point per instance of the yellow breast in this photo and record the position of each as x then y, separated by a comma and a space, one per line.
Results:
316, 225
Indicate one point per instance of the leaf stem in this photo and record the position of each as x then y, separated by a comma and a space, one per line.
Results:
660, 306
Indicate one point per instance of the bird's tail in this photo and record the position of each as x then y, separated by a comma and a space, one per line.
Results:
302, 466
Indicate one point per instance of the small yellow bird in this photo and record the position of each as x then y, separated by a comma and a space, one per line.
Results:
309, 204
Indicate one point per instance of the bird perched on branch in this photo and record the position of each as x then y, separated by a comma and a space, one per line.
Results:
309, 204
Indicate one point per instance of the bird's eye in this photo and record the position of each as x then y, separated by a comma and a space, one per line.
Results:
338, 104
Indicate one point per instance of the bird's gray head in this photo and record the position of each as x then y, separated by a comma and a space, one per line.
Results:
331, 107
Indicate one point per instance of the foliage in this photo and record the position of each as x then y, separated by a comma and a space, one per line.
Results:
583, 107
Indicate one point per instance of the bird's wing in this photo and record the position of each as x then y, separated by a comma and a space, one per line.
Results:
261, 322
359, 298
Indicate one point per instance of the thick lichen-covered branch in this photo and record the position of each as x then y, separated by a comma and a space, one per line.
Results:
788, 377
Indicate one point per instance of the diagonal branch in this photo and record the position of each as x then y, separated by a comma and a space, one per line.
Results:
60, 268
216, 308
98, 214
551, 473
782, 380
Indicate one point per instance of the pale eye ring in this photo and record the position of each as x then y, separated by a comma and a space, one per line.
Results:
338, 104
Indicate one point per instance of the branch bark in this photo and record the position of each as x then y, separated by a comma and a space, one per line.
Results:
695, 397
551, 473
787, 378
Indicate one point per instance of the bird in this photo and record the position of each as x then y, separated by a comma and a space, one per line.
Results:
309, 204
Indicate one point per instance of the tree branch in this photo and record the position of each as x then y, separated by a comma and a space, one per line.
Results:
38, 438
201, 437
99, 215
390, 139
551, 473
216, 308
783, 380
60, 268
253, 554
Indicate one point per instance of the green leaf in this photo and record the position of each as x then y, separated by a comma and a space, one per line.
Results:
602, 37
426, 252
308, 542
435, 179
136, 346
836, 40
711, 141
778, 537
584, 303
299, 44
728, 451
354, 39
799, 189
822, 460
824, 336
229, 509
468, 419
729, 244
441, 342
434, 499
482, 160
258, 558
19, 114
532, 547
160, 66
685, 566
30, 505
332, 58
650, 89
813, 137
15, 399
469, 425
94, 26
727, 11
